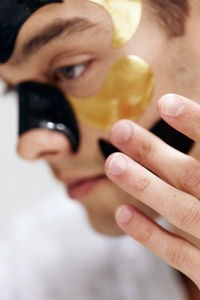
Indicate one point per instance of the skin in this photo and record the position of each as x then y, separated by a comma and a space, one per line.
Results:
175, 195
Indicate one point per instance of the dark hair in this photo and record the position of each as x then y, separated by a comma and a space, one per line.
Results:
172, 15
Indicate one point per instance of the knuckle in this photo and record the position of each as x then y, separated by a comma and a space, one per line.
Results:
145, 236
189, 178
188, 217
141, 185
196, 128
177, 255
144, 150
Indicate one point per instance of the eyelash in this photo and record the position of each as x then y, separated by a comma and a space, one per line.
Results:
56, 77
75, 72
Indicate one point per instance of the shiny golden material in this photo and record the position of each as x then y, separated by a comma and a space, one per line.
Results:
125, 15
126, 93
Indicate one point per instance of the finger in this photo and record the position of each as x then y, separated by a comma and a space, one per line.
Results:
174, 250
182, 114
174, 167
180, 209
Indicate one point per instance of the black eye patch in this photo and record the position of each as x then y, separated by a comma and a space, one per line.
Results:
13, 14
44, 106
172, 137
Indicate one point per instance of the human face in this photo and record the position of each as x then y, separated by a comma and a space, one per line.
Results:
88, 49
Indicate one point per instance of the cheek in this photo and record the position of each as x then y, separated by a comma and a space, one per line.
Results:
91, 136
125, 94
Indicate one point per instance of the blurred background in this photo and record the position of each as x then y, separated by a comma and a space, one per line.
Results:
21, 183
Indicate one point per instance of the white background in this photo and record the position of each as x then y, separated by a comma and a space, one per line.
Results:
21, 183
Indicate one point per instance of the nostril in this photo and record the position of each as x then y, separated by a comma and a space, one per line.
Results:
47, 153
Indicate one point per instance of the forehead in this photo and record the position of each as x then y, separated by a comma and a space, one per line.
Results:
125, 16
13, 14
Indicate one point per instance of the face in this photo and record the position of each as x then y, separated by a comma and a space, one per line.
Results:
81, 55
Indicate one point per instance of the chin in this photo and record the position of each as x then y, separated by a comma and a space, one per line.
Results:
101, 205
104, 225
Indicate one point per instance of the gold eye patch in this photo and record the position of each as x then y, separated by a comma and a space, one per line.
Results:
126, 93
125, 15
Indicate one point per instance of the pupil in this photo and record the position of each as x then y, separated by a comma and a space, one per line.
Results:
69, 71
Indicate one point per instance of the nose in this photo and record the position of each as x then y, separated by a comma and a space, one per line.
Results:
42, 144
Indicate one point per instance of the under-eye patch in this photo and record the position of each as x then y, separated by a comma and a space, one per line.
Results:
172, 137
125, 15
126, 93
13, 14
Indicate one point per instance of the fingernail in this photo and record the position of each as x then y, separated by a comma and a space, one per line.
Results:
117, 165
121, 132
172, 106
124, 215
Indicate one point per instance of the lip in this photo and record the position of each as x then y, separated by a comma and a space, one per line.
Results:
80, 188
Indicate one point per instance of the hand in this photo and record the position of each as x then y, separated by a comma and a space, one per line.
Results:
174, 193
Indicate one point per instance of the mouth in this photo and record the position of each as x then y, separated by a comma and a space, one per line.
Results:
80, 188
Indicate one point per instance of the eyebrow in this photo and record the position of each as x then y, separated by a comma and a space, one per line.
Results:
69, 27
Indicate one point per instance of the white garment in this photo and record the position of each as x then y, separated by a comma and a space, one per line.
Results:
53, 254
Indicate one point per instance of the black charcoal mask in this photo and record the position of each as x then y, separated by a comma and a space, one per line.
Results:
44, 106
13, 14
40, 105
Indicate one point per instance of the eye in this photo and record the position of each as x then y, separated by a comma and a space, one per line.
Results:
69, 72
